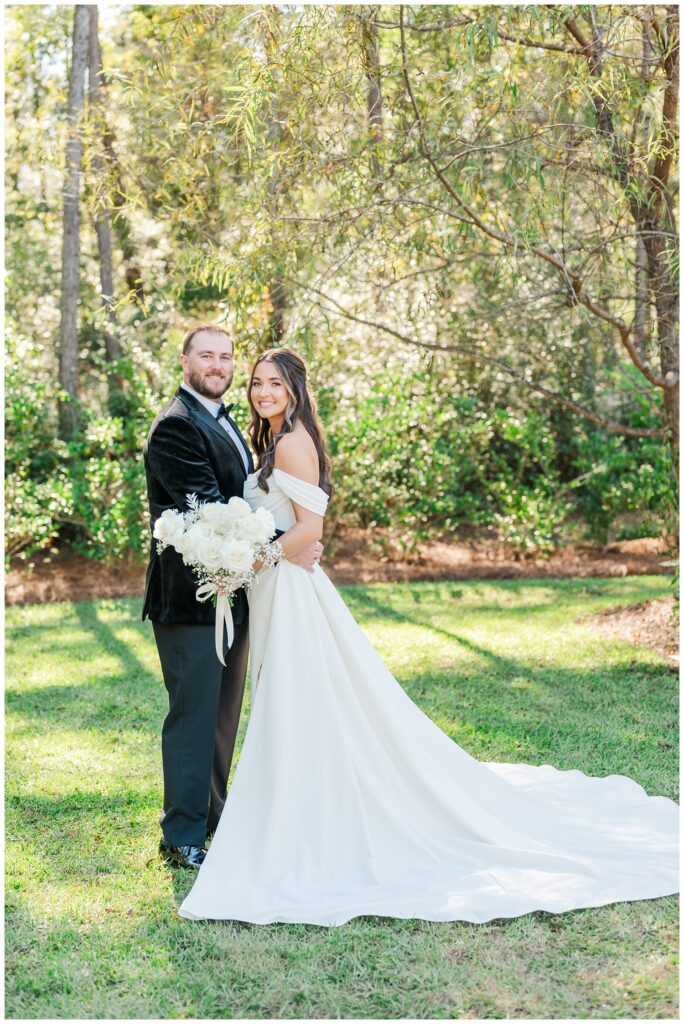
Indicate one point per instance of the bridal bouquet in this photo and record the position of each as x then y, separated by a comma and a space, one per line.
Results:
220, 542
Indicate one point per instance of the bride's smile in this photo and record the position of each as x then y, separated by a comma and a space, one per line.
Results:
269, 394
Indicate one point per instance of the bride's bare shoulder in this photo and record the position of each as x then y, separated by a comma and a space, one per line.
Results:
296, 454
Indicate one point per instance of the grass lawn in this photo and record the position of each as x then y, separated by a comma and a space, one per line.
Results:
503, 667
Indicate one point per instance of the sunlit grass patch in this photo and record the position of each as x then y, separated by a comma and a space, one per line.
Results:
504, 668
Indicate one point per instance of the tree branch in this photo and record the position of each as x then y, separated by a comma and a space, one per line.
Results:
611, 425
526, 41
461, 22
577, 34
573, 277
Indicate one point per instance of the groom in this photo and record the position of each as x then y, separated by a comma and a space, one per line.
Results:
195, 447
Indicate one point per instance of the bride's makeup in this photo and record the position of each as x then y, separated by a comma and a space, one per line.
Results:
268, 393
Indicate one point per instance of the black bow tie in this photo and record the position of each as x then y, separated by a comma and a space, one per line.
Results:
224, 410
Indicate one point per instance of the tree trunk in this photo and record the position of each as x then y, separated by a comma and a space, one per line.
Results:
652, 216
68, 333
118, 219
278, 295
657, 220
666, 292
123, 230
102, 223
371, 64
642, 300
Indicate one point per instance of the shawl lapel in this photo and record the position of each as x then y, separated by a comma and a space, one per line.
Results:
210, 421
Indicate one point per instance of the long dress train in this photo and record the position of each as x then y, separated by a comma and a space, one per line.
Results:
347, 800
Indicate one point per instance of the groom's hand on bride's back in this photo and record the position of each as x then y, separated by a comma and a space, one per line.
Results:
308, 556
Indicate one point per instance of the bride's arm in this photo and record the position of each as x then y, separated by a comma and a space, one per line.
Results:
296, 455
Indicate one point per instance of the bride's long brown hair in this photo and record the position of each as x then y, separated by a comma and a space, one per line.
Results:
301, 405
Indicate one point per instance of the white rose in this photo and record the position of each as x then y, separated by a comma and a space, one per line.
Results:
189, 543
210, 552
169, 527
257, 528
237, 556
216, 516
238, 508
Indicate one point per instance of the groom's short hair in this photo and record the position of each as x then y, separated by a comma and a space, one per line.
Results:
214, 328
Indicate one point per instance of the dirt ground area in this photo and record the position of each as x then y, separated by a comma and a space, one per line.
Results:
68, 576
653, 624
473, 558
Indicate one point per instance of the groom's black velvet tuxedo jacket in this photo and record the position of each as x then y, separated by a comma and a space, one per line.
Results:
187, 452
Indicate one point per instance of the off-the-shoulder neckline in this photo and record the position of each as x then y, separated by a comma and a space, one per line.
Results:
292, 477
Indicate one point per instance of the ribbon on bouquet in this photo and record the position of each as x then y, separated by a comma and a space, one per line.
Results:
224, 616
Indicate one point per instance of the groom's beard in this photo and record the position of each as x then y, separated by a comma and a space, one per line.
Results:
212, 384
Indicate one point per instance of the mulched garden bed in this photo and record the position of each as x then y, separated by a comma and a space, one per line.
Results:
355, 556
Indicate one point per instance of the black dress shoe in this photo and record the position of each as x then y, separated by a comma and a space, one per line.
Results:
182, 856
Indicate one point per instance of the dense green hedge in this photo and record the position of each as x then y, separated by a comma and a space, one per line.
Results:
428, 462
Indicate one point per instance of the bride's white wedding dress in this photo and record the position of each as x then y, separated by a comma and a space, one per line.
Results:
348, 800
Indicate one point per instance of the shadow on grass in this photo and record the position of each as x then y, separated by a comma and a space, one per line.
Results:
85, 836
85, 616
571, 591
106, 638
138, 705
36, 815
384, 611
134, 698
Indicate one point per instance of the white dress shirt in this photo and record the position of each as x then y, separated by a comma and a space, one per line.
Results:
213, 408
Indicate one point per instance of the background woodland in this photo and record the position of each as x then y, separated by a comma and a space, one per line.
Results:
464, 217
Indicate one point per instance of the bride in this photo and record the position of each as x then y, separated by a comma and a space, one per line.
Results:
347, 800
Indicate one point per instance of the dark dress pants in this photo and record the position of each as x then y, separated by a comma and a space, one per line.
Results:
198, 735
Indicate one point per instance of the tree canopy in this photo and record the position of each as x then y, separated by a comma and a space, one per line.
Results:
465, 217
